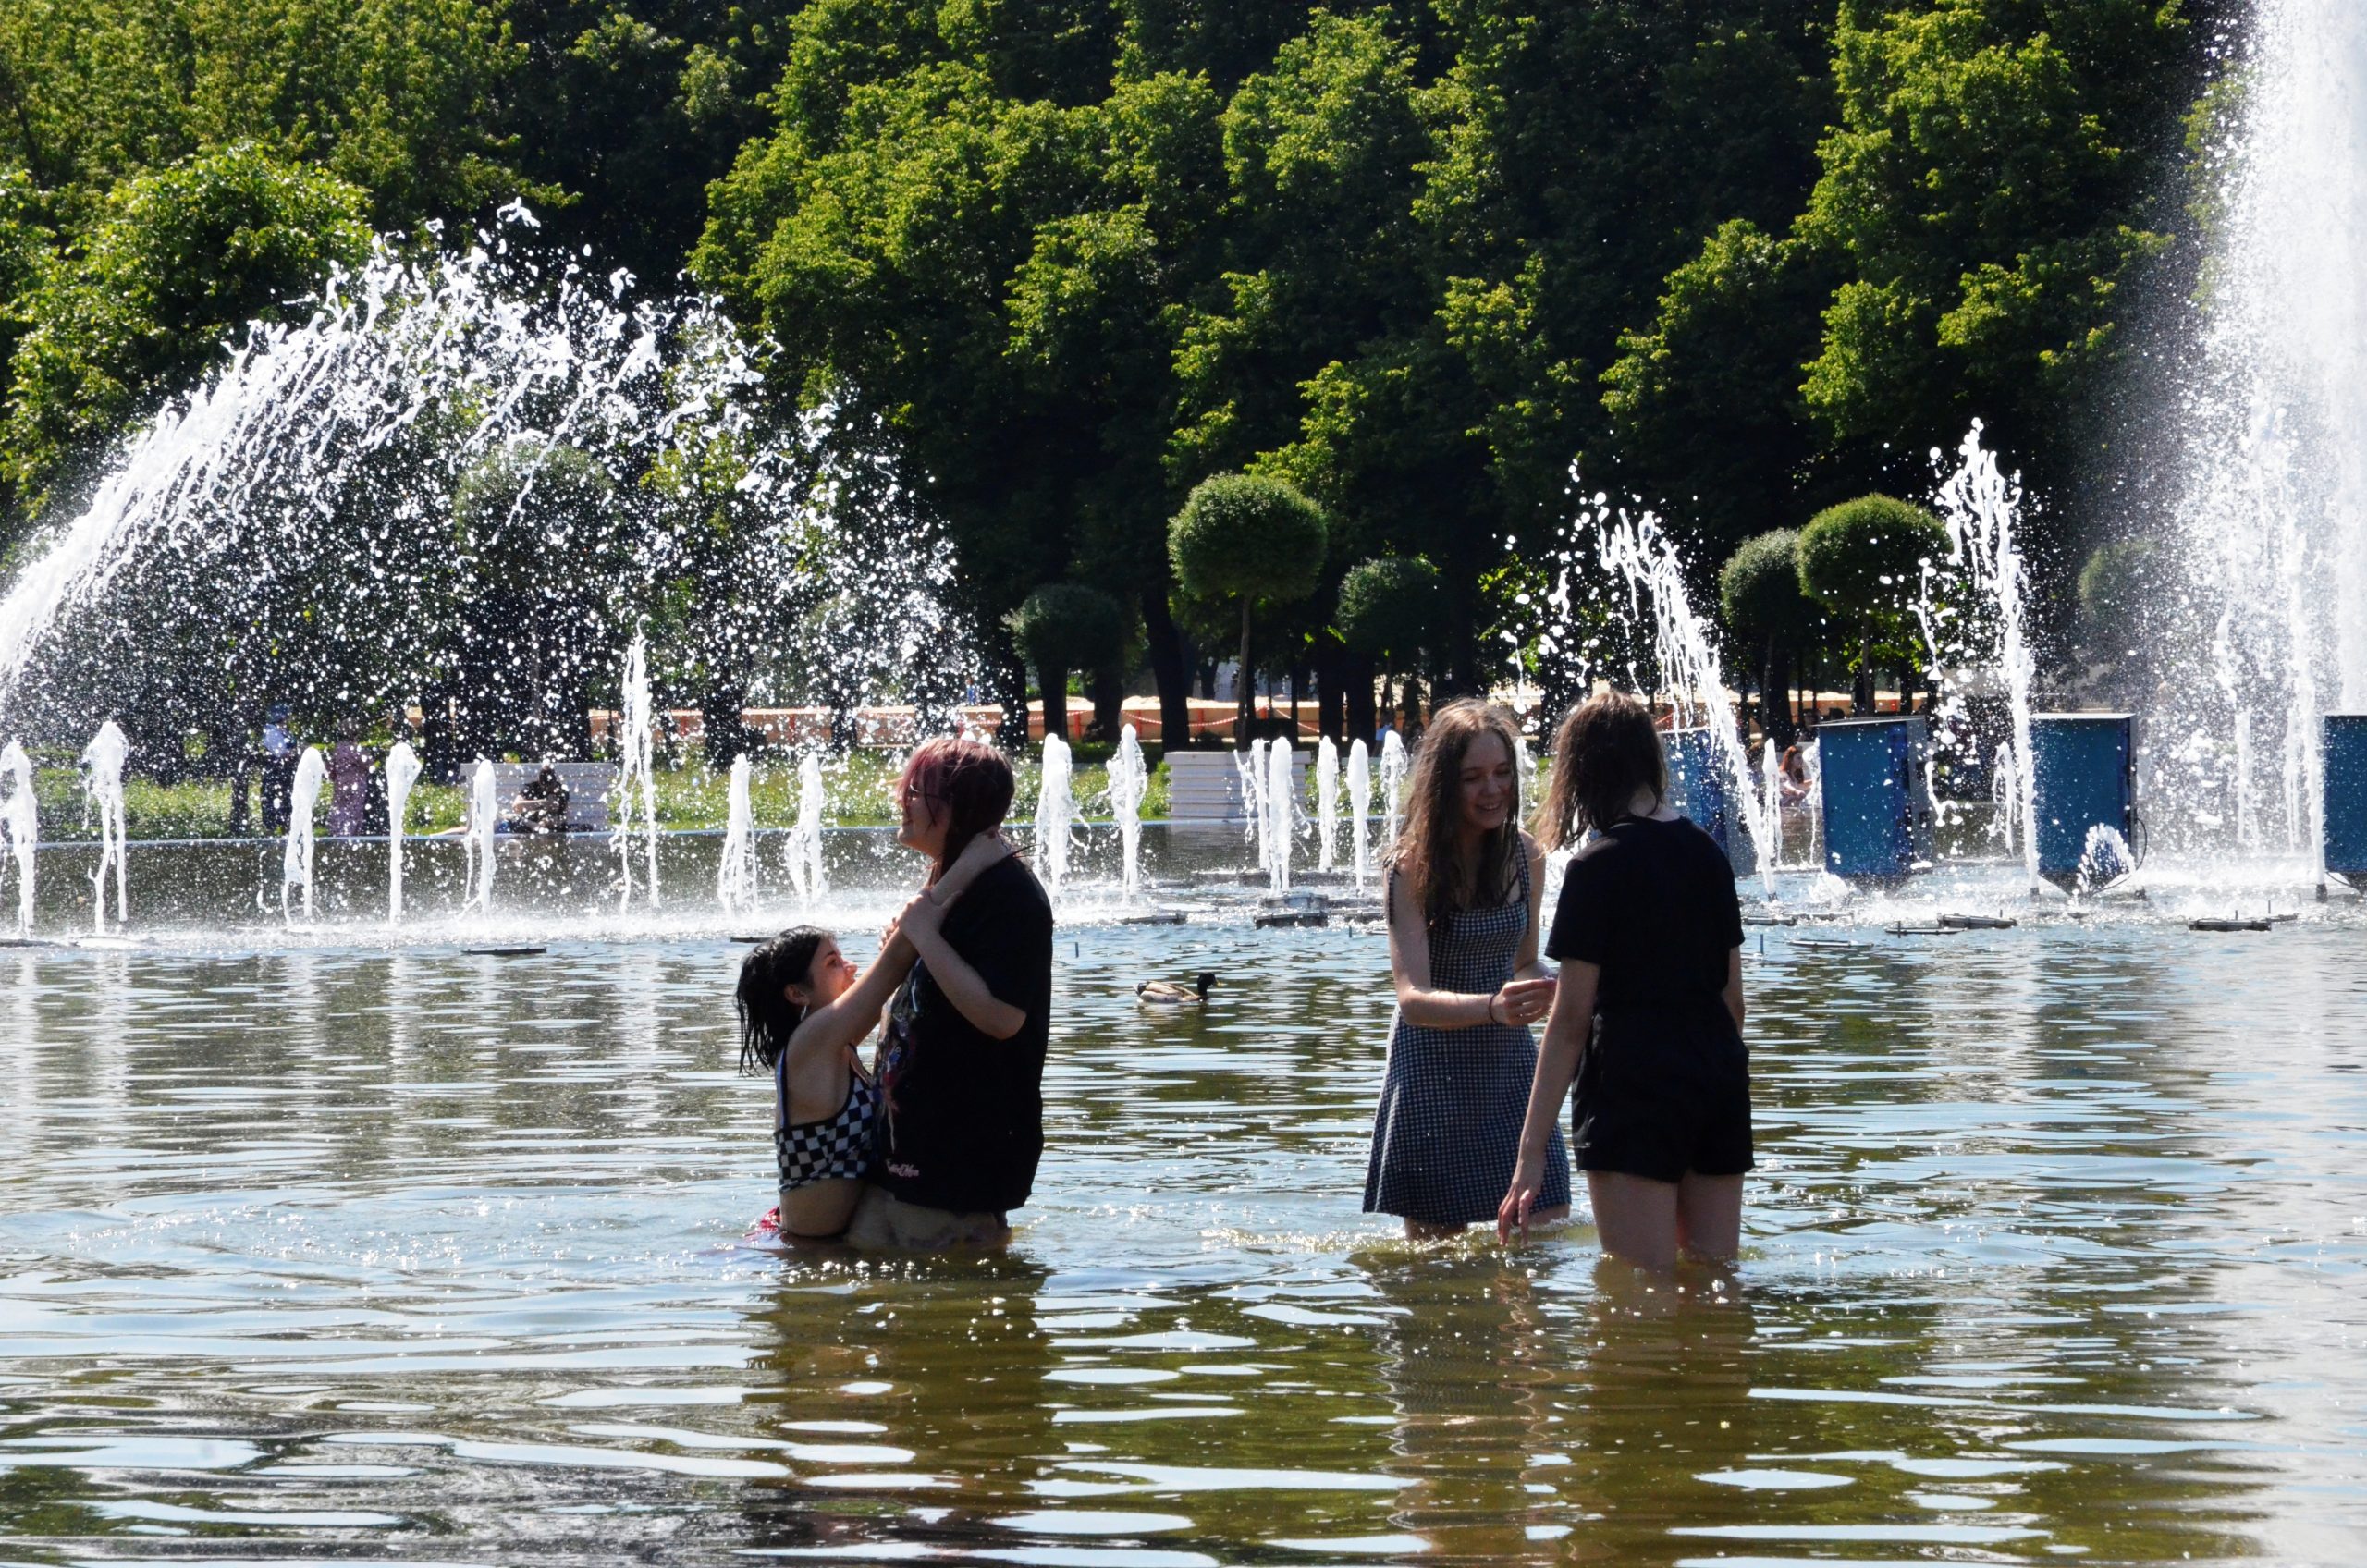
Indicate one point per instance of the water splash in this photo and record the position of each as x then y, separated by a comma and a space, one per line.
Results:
1393, 781
1971, 608
295, 850
20, 827
1250, 763
1129, 782
1282, 813
637, 783
1055, 809
1327, 802
485, 818
103, 761
735, 872
402, 772
804, 849
1360, 807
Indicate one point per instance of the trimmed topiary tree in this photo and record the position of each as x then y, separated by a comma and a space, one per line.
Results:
1247, 538
1766, 614
1062, 626
1389, 611
1863, 560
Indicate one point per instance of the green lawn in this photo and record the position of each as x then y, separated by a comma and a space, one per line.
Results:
691, 797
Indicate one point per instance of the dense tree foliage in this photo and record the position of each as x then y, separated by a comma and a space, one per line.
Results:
1055, 262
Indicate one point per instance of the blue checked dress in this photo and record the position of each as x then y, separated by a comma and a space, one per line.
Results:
1448, 1129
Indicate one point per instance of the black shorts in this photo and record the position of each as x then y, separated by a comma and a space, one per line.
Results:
1661, 1093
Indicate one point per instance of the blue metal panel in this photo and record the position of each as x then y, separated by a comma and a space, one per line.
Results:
1866, 772
1697, 784
2081, 778
2346, 793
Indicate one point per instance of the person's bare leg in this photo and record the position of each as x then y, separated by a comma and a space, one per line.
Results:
1709, 1216
1636, 1217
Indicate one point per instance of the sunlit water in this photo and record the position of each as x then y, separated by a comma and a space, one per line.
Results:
317, 1247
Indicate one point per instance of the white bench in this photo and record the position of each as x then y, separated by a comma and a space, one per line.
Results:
589, 787
1206, 786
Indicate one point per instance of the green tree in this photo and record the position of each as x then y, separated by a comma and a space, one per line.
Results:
396, 97
143, 301
1768, 614
1249, 539
1391, 611
1863, 560
1066, 626
1989, 194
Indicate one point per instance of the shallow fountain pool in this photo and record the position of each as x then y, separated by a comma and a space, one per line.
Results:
2058, 1247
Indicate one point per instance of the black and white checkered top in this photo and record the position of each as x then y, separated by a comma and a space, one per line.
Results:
839, 1149
1447, 1133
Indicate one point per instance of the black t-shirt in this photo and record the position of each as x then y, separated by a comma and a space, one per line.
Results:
964, 1121
1653, 905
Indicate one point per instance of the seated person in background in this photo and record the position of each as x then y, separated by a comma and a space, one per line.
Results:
540, 806
1794, 785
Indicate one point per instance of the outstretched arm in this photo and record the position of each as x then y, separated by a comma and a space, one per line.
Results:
1516, 1001
1565, 1036
856, 1012
963, 984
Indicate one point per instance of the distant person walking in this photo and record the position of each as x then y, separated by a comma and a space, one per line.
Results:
1649, 1016
1464, 888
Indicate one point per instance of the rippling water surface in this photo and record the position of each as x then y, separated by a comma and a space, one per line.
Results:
2055, 1250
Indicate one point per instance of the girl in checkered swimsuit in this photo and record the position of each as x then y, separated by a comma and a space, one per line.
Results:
803, 1011
1465, 884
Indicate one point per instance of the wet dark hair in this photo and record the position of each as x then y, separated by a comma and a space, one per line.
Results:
972, 780
1605, 750
767, 1017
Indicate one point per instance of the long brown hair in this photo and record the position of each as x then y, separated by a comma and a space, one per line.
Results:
1605, 750
968, 778
1428, 849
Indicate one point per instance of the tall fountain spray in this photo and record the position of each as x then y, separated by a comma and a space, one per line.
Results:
402, 772
1978, 633
1281, 813
296, 851
20, 827
1360, 807
735, 872
1055, 809
1684, 648
103, 761
1129, 782
637, 783
1250, 761
1392, 782
1326, 800
484, 816
804, 849
2271, 517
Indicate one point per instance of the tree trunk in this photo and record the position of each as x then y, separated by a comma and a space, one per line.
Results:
1862, 689
1775, 693
1167, 668
1109, 685
1298, 679
1328, 663
1242, 730
1011, 674
1054, 684
1357, 697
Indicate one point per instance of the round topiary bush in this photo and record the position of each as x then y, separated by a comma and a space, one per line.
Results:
1864, 558
1389, 608
1249, 538
1758, 591
1066, 626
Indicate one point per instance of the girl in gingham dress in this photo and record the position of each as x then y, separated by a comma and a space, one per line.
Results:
1465, 884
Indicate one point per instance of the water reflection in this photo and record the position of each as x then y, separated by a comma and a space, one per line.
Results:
2055, 1249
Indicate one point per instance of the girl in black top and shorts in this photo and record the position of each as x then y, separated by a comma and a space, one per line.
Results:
1649, 1014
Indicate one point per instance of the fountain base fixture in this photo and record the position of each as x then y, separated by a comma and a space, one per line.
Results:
2083, 774
2345, 795
1877, 809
